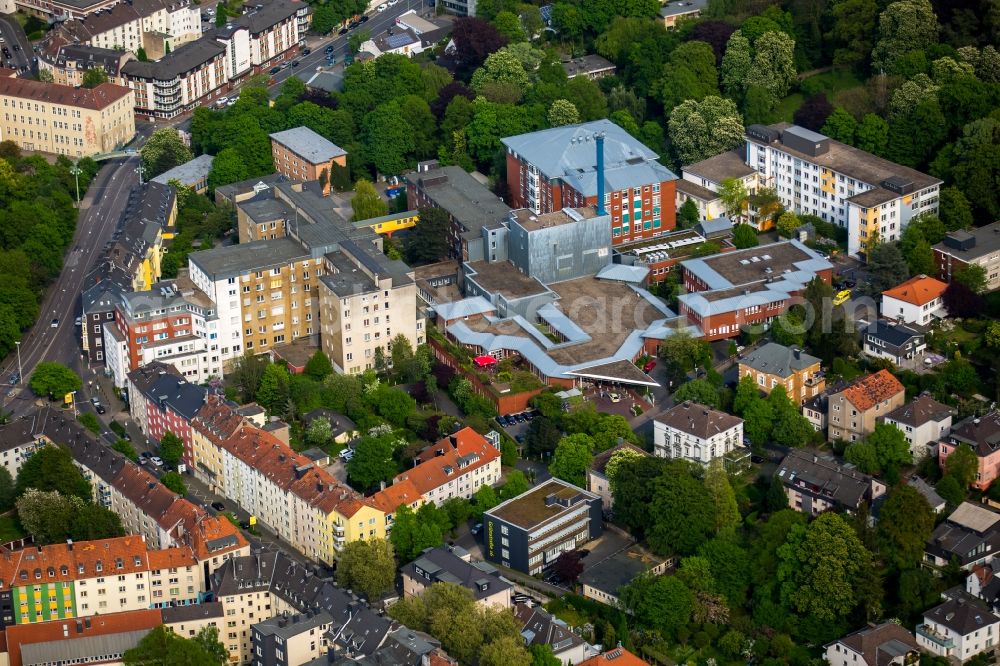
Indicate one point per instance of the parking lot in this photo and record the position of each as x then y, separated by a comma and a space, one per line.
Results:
516, 425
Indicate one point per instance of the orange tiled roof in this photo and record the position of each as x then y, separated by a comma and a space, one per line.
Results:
866, 392
94, 98
74, 561
917, 290
616, 657
217, 420
170, 558
460, 453
396, 495
97, 625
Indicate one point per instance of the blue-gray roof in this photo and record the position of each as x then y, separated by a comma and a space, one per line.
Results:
789, 260
463, 308
569, 153
685, 7
188, 174
715, 226
308, 145
775, 359
623, 273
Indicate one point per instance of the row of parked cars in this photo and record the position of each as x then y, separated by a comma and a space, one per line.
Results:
508, 420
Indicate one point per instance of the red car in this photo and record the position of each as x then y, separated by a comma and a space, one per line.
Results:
649, 366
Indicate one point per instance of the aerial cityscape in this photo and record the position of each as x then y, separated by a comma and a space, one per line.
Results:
499, 332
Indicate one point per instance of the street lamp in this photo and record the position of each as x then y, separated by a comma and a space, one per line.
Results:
139, 170
73, 394
76, 171
20, 377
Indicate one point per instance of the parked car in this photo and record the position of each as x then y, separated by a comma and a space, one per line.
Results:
275, 70
476, 529
648, 367
329, 48
78, 321
757, 460
520, 418
99, 408
614, 397
306, 51
218, 506
156, 460
55, 323
382, 7
295, 63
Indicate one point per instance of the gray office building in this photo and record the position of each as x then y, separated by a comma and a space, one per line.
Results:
530, 531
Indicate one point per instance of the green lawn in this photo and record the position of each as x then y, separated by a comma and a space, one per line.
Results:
10, 529
787, 107
830, 82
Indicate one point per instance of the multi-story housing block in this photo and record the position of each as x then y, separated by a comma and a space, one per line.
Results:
153, 25
700, 183
436, 565
178, 82
456, 466
774, 365
574, 165
747, 288
366, 300
979, 246
697, 433
854, 411
161, 401
924, 421
69, 62
53, 118
175, 323
302, 154
959, 629
871, 197
470, 205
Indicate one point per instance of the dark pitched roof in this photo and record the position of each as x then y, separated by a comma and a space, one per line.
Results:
168, 390
775, 359
896, 335
822, 475
919, 411
186, 58
698, 420
879, 644
338, 422
981, 433
963, 614
439, 565
541, 628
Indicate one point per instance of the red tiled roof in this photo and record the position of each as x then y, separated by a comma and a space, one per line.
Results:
866, 392
616, 657
53, 93
396, 495
462, 452
97, 625
917, 290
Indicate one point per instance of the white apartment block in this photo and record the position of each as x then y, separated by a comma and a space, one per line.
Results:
129, 26
366, 301
813, 174
697, 433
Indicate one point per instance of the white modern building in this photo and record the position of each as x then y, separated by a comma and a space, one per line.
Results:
694, 432
924, 421
811, 173
959, 629
919, 300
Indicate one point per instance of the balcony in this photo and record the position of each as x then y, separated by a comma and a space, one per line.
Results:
338, 531
942, 642
815, 379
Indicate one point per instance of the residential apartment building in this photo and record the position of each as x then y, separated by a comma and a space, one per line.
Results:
161, 401
183, 79
924, 421
747, 289
980, 434
295, 639
456, 466
969, 535
49, 9
286, 491
455, 566
575, 165
70, 580
871, 197
128, 26
894, 342
530, 531
365, 300
700, 182
67, 63
886, 644
256, 588
302, 154
774, 365
979, 246
265, 293
696, 433
470, 205
53, 118
853, 411
916, 301
539, 627
173, 323
959, 629
816, 483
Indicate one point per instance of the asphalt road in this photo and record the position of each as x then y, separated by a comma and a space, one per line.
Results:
378, 22
107, 196
13, 34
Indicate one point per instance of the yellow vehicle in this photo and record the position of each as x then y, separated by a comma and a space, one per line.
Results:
842, 297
